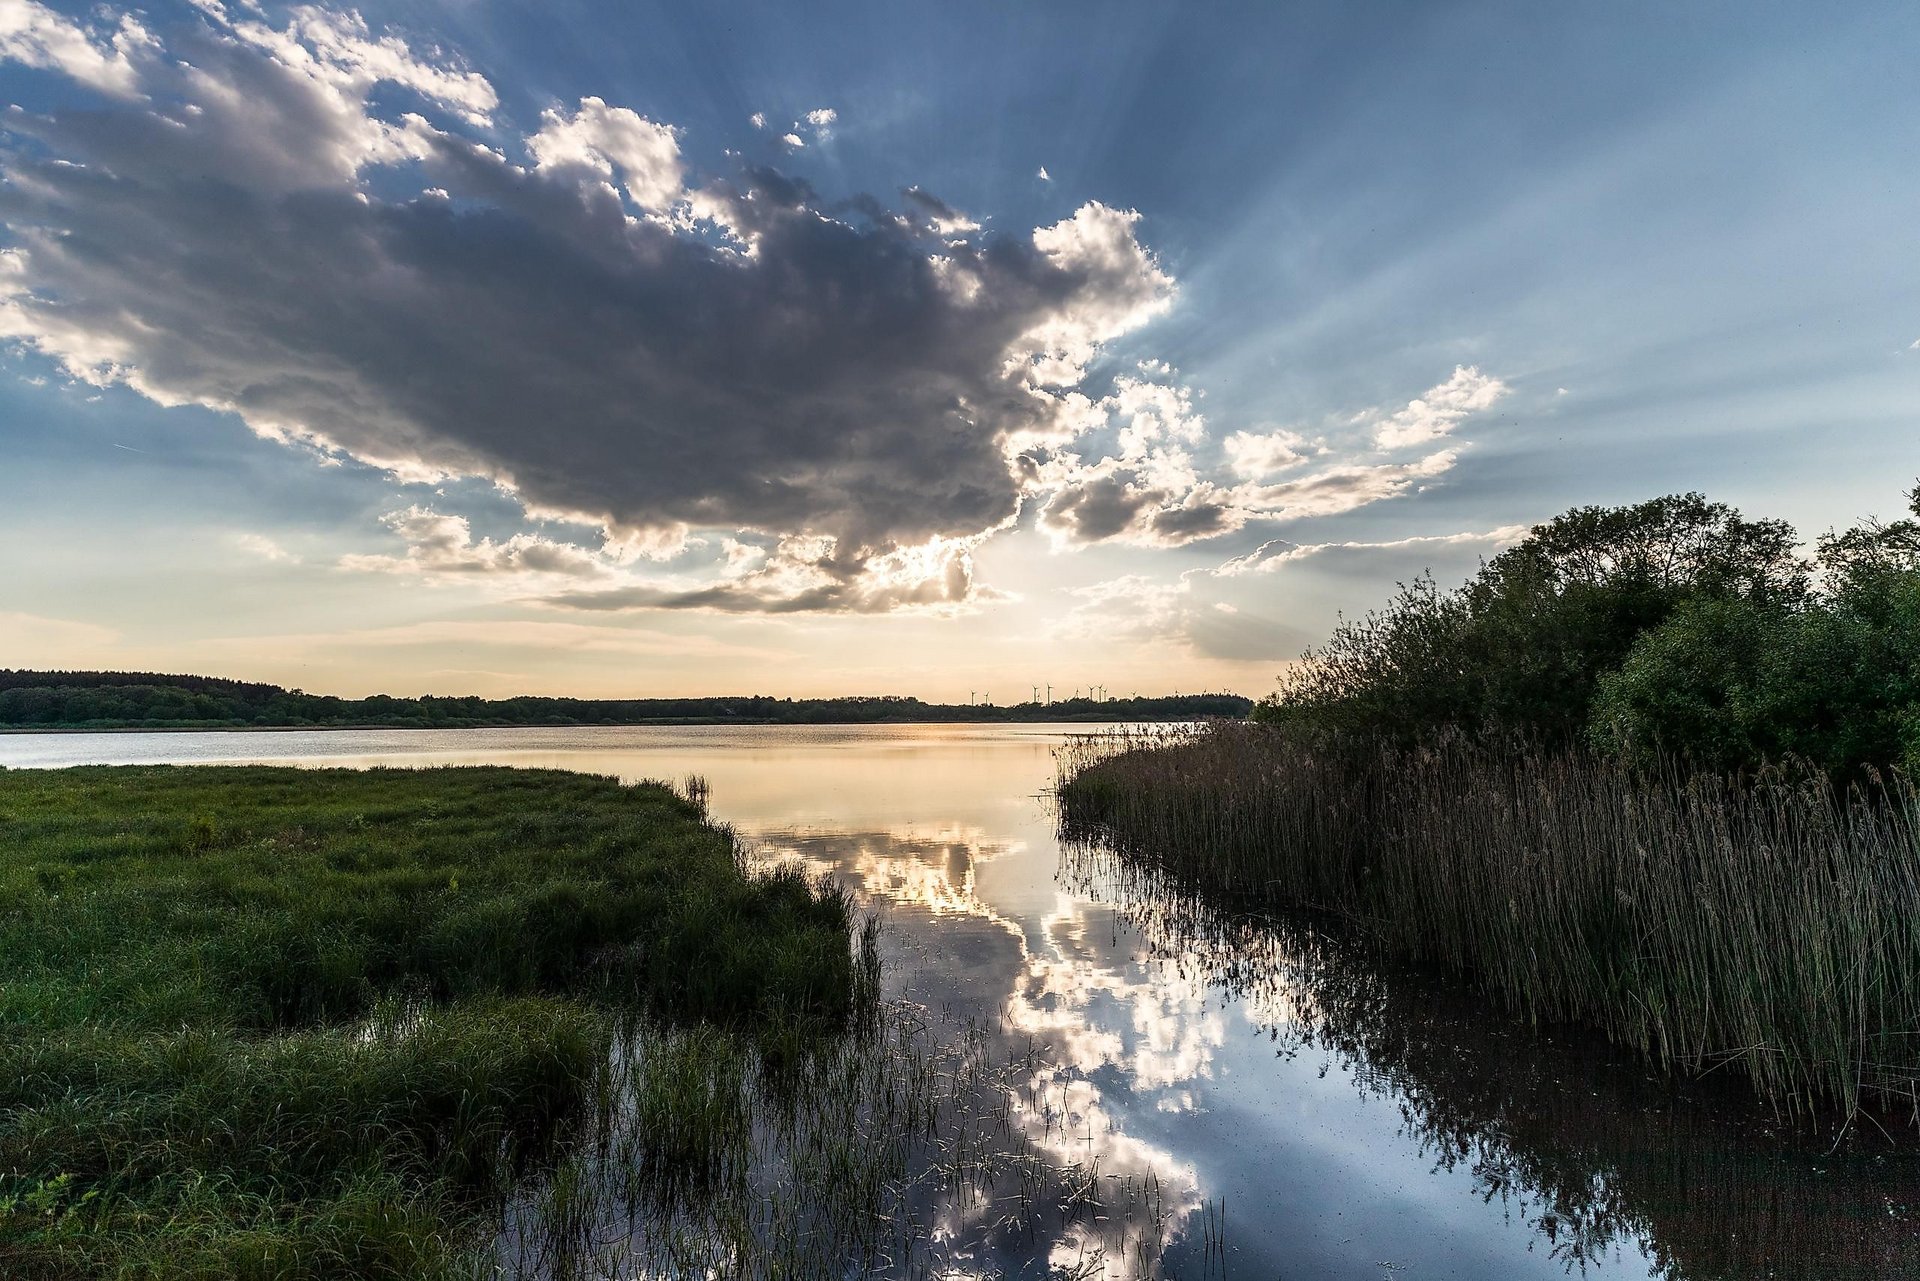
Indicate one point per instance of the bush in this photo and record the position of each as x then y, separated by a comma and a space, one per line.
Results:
1833, 680
1673, 626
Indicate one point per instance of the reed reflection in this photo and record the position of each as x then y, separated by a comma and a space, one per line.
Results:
1578, 1142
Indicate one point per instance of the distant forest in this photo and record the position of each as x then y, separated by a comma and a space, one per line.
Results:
144, 700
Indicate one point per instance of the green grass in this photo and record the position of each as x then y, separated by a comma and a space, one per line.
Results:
1772, 930
292, 1023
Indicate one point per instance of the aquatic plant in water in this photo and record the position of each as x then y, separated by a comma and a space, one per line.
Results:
1768, 929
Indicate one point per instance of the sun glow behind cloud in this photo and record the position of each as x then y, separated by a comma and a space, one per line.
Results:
761, 400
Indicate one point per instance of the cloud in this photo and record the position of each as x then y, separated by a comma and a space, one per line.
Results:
1440, 409
1257, 454
567, 313
1043, 175
1137, 608
1343, 488
758, 120
798, 575
441, 546
265, 548
1148, 491
1271, 556
339, 238
818, 122
1132, 606
943, 218
35, 36
601, 140
1115, 503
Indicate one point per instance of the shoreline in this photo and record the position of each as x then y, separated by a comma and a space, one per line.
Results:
665, 723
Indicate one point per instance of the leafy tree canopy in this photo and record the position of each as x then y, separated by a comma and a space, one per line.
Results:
1673, 626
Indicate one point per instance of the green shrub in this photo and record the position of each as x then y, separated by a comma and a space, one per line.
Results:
1674, 626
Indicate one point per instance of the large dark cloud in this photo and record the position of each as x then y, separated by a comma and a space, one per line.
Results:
305, 222
245, 233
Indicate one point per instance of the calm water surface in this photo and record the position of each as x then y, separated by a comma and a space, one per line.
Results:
1342, 1121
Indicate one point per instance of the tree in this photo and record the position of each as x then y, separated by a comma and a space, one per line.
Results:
1832, 679
1520, 647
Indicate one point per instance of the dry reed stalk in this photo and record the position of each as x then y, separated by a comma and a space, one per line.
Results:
1772, 928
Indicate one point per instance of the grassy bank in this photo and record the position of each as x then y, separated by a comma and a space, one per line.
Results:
1773, 929
272, 1022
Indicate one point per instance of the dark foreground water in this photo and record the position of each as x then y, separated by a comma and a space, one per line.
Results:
1296, 1109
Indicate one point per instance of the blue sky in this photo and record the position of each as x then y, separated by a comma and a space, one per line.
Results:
627, 349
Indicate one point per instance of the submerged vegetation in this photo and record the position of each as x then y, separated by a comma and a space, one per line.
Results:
1645, 771
147, 700
315, 1023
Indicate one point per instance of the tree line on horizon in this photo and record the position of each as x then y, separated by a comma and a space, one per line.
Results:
117, 700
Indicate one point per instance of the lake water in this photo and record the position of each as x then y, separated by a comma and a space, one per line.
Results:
1307, 1114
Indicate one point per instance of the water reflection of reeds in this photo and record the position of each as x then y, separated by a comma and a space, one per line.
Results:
1770, 930
1586, 1144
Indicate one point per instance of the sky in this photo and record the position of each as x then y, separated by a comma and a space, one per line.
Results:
620, 349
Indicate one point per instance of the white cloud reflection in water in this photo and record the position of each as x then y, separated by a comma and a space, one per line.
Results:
1100, 1029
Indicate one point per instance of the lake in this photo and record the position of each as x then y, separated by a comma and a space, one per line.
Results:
1306, 1111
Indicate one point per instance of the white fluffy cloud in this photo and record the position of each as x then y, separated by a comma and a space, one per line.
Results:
36, 36
1149, 491
605, 140
1441, 409
797, 575
1253, 455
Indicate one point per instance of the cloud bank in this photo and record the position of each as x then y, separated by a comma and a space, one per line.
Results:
315, 226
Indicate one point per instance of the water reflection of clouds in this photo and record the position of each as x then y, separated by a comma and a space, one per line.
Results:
1114, 1030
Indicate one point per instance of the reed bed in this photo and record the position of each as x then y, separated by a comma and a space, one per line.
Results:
1580, 1142
1766, 928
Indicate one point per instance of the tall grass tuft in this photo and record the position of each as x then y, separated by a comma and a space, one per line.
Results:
1770, 929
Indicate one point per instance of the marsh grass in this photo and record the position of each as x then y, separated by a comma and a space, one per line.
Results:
464, 1023
293, 1023
1770, 930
